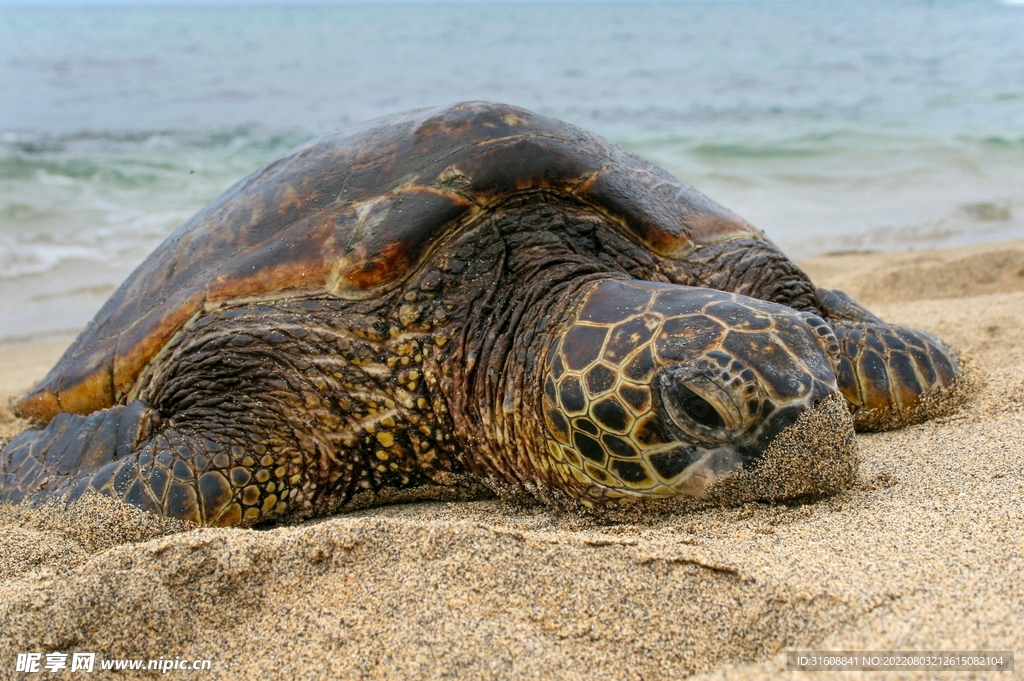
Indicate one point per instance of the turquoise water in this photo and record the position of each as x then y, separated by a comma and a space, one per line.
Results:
832, 125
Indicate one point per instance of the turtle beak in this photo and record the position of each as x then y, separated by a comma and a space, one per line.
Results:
814, 455
812, 346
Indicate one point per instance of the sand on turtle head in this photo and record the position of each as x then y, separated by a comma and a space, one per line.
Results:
815, 457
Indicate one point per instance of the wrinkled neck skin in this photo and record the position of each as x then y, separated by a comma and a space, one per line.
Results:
494, 374
552, 251
504, 375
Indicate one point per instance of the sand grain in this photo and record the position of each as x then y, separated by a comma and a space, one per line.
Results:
923, 553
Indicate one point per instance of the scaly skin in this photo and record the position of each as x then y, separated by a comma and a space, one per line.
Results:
887, 372
281, 409
656, 390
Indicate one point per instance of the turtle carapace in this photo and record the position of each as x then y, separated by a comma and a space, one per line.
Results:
474, 295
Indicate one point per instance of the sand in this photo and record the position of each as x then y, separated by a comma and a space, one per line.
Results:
924, 553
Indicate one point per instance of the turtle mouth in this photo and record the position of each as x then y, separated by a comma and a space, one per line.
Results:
692, 470
798, 453
696, 469
718, 429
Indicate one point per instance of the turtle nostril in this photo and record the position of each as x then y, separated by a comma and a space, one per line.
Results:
700, 410
778, 422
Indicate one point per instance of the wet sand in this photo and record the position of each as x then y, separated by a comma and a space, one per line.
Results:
924, 553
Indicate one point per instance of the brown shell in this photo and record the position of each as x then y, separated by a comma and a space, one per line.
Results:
352, 214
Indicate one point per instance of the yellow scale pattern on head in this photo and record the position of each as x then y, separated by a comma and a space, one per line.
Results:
599, 376
598, 404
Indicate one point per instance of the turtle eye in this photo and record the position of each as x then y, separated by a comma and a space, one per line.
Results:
699, 409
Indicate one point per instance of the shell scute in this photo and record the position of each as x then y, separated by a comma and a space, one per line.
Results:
354, 213
389, 235
92, 378
497, 169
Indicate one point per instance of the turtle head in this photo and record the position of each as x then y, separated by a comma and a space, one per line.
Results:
658, 390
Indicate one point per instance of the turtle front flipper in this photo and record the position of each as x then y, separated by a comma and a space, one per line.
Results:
891, 376
219, 439
132, 454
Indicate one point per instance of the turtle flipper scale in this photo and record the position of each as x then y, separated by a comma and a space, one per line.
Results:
887, 372
120, 452
129, 452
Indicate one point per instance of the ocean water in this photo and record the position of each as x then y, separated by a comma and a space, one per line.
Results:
832, 124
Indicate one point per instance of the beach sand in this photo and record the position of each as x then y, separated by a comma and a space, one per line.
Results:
924, 553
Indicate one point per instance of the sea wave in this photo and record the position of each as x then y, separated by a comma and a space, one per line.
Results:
110, 197
79, 211
830, 125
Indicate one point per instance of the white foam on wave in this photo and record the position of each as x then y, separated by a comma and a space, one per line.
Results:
17, 261
79, 212
826, 124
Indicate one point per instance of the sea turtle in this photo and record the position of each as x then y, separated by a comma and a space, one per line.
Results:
474, 295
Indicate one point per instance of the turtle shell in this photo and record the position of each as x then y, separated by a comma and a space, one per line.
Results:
353, 214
